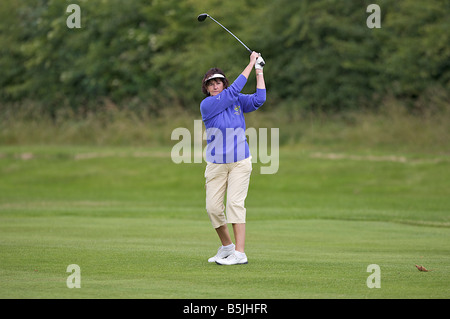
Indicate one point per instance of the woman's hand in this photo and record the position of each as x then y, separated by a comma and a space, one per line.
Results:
253, 57
259, 63
251, 64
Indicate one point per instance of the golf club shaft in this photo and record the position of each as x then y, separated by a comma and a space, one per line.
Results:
230, 33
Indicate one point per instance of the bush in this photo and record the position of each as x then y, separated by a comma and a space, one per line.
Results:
320, 54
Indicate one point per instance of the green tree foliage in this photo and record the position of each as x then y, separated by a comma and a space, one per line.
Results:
152, 54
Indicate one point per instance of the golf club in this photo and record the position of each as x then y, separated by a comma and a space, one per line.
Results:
202, 17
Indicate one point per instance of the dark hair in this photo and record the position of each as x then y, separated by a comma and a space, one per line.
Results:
208, 74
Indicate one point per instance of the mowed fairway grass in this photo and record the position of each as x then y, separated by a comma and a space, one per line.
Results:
135, 224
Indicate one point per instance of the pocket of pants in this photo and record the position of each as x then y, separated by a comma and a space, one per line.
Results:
245, 165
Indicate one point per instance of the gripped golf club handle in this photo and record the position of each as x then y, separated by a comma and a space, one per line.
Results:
262, 63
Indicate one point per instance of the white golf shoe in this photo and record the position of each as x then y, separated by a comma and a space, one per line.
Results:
222, 252
237, 258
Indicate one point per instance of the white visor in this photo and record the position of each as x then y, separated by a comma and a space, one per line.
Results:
214, 76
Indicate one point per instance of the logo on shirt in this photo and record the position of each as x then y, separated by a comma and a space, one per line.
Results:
237, 109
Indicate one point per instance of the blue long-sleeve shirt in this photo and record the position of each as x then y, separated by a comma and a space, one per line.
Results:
224, 120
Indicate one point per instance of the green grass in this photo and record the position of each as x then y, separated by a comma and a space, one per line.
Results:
136, 225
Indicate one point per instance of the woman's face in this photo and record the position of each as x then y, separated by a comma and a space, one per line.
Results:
214, 87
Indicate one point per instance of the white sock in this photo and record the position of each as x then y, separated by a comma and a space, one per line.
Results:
228, 246
239, 254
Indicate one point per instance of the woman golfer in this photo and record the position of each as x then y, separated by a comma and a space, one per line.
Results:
228, 157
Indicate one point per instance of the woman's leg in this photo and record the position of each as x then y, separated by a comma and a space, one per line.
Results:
215, 184
224, 235
239, 236
238, 182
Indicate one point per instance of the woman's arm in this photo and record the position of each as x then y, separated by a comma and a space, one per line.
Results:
251, 64
260, 84
252, 102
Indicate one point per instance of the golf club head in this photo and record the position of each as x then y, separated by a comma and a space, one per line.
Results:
202, 17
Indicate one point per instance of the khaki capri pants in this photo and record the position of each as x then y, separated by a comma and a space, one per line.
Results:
234, 179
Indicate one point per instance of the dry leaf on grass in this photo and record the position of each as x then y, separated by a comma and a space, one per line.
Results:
421, 268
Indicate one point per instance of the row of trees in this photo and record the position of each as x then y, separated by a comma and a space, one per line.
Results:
151, 54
